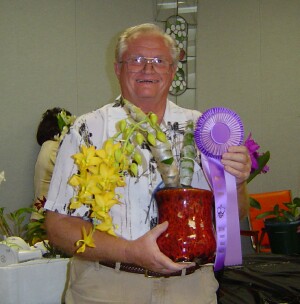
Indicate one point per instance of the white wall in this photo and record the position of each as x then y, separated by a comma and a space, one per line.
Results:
60, 53
249, 60
53, 53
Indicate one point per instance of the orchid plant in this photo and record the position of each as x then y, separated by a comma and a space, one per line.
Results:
64, 121
259, 164
102, 171
290, 214
15, 224
12, 223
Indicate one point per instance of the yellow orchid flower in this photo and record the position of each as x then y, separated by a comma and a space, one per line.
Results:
87, 240
86, 158
109, 147
101, 215
111, 231
106, 225
102, 171
108, 177
104, 201
75, 203
87, 187
101, 154
107, 154
75, 180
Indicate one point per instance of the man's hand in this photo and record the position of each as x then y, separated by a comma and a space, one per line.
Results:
237, 162
145, 252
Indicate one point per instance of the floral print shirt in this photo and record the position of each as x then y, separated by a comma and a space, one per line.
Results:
137, 212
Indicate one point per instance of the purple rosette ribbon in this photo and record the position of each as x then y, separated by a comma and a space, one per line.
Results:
215, 131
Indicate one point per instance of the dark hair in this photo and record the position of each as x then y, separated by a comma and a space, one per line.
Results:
48, 126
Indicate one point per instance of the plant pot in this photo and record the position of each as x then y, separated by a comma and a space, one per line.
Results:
190, 235
283, 236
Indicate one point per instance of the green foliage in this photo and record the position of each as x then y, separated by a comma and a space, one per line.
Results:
14, 223
141, 127
17, 223
254, 203
291, 214
64, 120
36, 231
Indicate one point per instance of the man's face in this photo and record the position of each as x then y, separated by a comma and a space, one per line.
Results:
147, 85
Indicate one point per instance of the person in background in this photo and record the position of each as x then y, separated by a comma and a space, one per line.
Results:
115, 270
51, 129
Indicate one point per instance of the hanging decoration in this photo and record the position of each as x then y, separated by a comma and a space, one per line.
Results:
177, 28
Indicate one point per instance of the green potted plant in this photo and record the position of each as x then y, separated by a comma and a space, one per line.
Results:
14, 223
283, 227
281, 224
17, 224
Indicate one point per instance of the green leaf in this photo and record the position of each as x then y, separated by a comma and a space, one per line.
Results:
276, 210
168, 161
288, 215
24, 210
60, 122
262, 161
265, 214
33, 225
254, 203
296, 201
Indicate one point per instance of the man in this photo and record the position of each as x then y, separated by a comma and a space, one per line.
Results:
146, 60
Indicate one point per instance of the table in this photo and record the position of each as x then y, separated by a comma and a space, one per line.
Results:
41, 281
263, 278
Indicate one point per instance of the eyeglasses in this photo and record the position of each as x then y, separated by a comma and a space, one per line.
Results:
138, 63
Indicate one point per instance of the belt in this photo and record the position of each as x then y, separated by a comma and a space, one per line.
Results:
148, 273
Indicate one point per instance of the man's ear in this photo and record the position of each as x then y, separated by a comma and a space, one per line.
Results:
173, 70
117, 67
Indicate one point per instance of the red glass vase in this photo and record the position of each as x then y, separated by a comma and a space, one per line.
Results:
190, 235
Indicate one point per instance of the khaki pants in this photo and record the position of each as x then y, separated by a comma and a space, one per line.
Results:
93, 283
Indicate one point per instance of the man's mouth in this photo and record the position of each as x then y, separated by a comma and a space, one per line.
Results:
147, 81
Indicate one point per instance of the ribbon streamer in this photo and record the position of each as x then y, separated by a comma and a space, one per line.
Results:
216, 130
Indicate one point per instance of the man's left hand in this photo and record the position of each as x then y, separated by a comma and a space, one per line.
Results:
237, 162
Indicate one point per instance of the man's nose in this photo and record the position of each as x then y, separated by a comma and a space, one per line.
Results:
149, 68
